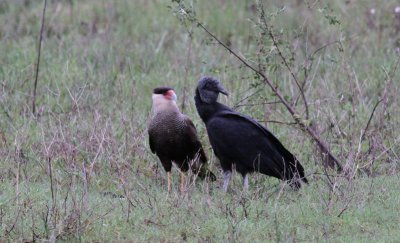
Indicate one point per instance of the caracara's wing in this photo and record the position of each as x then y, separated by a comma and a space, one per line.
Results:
194, 143
151, 141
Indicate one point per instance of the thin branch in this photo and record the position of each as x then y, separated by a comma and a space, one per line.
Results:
51, 182
238, 104
255, 104
387, 89
272, 36
187, 67
7, 232
396, 142
325, 174
369, 120
344, 209
278, 122
228, 49
6, 113
309, 63
38, 59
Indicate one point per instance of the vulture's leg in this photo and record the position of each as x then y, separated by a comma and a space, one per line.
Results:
169, 174
183, 182
227, 177
246, 182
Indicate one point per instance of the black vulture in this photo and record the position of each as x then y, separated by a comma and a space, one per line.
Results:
242, 141
173, 137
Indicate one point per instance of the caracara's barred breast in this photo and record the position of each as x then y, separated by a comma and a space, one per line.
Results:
167, 130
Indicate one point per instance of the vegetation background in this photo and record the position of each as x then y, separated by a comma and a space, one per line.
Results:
80, 168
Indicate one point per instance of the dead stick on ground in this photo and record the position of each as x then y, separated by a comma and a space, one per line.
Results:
38, 59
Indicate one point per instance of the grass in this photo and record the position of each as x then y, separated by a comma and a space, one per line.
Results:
81, 170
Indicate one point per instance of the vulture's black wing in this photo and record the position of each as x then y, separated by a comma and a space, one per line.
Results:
282, 150
247, 143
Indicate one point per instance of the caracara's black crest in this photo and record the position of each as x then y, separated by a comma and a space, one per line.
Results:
162, 90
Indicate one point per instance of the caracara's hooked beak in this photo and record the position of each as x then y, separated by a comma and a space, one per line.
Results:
170, 95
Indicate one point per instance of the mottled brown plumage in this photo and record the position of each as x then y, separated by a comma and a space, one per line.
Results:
173, 137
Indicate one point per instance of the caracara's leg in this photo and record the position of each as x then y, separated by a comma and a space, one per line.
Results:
246, 183
169, 175
227, 177
183, 182
167, 164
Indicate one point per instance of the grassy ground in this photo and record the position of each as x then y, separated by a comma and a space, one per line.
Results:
81, 170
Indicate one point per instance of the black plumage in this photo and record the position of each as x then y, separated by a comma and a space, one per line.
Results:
240, 140
173, 137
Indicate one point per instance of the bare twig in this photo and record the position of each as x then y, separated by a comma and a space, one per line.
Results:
255, 104
272, 36
38, 59
51, 182
325, 174
6, 113
346, 206
396, 142
278, 122
238, 104
187, 67
7, 232
309, 63
369, 120
385, 96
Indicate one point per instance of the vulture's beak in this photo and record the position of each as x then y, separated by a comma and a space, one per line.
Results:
222, 90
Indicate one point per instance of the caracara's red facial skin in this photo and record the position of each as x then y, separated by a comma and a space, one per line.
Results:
170, 95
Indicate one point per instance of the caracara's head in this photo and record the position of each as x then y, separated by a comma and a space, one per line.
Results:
208, 88
164, 98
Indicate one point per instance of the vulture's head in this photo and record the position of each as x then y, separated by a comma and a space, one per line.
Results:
164, 98
209, 88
